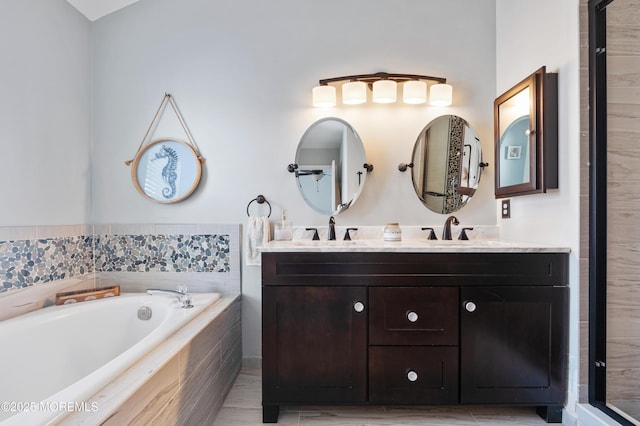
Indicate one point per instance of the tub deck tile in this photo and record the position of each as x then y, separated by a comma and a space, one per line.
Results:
160, 389
152, 396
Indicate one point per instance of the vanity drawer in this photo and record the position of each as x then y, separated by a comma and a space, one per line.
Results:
413, 316
413, 375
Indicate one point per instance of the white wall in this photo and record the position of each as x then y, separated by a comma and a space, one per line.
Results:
45, 113
242, 72
529, 35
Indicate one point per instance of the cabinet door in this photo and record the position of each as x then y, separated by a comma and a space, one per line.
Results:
513, 345
314, 344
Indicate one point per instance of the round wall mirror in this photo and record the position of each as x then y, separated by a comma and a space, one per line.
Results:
166, 170
447, 164
330, 166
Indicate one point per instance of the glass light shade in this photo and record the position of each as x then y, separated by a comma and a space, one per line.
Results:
414, 92
354, 92
385, 91
441, 94
324, 96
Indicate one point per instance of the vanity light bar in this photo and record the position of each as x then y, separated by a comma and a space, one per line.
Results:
384, 89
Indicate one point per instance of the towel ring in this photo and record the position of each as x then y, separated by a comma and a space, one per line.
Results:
260, 200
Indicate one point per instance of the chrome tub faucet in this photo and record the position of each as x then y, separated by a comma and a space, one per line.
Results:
183, 297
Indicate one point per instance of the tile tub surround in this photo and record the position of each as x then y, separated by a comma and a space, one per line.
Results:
182, 381
24, 300
27, 262
219, 272
37, 262
165, 253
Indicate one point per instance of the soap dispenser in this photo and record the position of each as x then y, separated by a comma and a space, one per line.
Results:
282, 229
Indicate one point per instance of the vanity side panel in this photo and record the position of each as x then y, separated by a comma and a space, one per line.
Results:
550, 129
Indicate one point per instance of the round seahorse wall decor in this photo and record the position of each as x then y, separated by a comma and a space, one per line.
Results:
166, 170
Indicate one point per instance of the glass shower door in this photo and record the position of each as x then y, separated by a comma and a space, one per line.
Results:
623, 212
614, 236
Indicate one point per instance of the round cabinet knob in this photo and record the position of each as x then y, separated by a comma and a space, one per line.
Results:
470, 306
358, 307
412, 376
412, 316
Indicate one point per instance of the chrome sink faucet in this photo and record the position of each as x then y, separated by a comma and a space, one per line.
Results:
184, 298
446, 231
332, 229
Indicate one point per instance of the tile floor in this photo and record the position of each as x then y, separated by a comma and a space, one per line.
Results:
243, 408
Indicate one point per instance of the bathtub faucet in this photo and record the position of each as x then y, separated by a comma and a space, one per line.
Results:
184, 298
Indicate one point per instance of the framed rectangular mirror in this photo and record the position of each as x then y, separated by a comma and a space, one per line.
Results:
526, 136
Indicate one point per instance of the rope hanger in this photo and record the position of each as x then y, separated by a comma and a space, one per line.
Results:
168, 99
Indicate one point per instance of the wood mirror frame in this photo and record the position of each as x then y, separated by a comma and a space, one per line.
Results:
533, 154
166, 170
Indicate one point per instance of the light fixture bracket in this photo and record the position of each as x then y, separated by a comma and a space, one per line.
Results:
372, 78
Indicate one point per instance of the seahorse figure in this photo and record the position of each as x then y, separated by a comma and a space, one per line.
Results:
169, 174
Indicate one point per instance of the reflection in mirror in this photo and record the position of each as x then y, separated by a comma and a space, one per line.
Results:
514, 148
330, 166
446, 162
515, 129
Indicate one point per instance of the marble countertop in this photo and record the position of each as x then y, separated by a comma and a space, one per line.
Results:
413, 246
483, 239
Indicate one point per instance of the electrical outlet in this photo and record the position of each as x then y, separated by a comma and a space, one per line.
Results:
505, 207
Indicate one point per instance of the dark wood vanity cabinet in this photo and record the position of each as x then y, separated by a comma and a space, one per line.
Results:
316, 345
363, 328
413, 345
512, 342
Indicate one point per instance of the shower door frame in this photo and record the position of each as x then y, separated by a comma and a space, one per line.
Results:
598, 209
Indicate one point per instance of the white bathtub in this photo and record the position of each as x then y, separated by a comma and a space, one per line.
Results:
54, 359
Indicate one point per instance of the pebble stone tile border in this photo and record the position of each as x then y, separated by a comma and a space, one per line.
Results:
176, 253
27, 262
